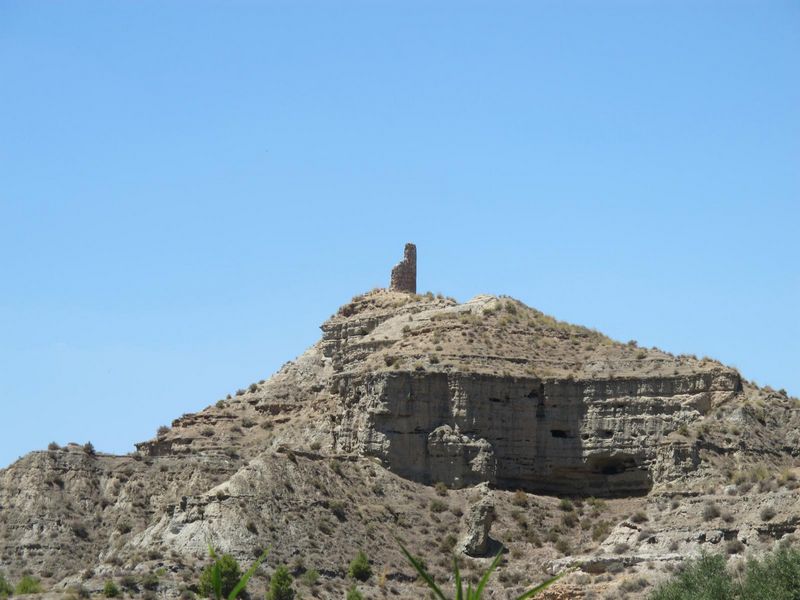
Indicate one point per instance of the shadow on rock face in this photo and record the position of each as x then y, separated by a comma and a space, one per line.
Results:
562, 437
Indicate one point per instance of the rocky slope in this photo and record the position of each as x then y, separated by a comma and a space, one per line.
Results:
589, 452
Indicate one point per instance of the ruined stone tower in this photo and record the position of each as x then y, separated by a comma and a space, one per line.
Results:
404, 273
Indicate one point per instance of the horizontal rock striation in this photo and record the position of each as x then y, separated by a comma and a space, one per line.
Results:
558, 436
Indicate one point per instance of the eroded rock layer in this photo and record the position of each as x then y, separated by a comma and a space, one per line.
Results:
563, 434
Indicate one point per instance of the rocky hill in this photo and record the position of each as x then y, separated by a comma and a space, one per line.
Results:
420, 418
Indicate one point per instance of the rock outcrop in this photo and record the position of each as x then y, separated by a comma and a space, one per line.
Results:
481, 516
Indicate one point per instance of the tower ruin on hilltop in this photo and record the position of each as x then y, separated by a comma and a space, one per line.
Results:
404, 273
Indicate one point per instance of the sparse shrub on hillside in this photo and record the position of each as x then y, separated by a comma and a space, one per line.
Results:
438, 506
759, 473
79, 530
110, 589
337, 509
28, 585
786, 476
52, 446
280, 585
77, 591
360, 568
520, 499
563, 546
310, 577
639, 517
726, 516
569, 519
354, 594
767, 485
767, 513
597, 504
710, 511
519, 518
734, 546
448, 543
621, 548
633, 584
88, 448
566, 505
124, 527
253, 388
150, 582
440, 488
645, 534
533, 538
162, 431
129, 583
6, 588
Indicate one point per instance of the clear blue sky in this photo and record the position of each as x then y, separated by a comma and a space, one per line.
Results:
188, 189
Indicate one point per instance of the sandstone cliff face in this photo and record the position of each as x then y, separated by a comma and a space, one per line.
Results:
557, 436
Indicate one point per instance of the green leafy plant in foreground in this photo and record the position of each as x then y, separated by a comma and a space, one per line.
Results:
280, 585
110, 590
703, 579
775, 576
219, 580
360, 568
471, 593
354, 594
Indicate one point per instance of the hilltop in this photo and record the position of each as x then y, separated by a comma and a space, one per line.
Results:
411, 412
